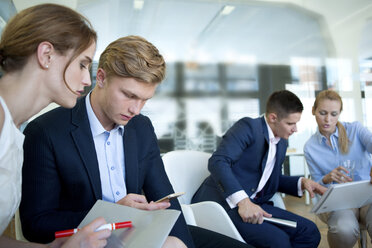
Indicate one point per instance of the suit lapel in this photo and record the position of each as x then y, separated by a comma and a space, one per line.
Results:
131, 160
83, 140
265, 133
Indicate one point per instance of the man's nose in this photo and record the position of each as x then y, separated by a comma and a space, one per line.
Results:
294, 128
135, 107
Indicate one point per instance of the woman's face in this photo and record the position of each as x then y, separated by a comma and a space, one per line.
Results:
77, 76
326, 116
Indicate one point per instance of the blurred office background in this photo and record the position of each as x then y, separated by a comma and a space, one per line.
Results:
225, 57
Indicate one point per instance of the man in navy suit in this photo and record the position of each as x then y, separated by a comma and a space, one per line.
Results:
103, 148
246, 171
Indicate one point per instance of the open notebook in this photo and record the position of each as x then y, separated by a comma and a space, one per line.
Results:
344, 196
150, 228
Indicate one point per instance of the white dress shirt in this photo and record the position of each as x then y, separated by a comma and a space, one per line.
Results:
271, 159
110, 155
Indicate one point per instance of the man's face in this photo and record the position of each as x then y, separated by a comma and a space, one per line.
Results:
285, 127
121, 99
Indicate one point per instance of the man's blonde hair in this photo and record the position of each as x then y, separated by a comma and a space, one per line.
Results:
133, 57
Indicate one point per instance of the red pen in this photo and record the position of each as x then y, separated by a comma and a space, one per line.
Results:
110, 226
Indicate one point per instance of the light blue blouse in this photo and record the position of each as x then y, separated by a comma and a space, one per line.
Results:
322, 159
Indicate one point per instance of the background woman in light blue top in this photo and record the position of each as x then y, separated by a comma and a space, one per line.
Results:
326, 152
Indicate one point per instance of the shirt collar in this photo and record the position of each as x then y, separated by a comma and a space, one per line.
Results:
320, 137
95, 125
272, 138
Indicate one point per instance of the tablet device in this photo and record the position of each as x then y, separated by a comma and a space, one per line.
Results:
344, 196
149, 228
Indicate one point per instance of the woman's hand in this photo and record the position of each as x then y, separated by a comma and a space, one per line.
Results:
87, 237
337, 175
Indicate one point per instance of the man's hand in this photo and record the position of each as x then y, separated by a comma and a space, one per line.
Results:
250, 212
312, 187
140, 202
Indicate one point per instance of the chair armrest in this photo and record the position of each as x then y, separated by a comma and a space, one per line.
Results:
188, 214
212, 216
278, 201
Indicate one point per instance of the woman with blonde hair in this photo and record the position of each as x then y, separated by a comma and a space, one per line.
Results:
327, 153
45, 55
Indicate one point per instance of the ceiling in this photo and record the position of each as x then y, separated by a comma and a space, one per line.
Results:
254, 32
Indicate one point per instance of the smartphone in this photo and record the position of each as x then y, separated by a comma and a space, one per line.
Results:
170, 197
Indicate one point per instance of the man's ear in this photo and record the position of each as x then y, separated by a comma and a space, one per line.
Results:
272, 117
44, 54
101, 78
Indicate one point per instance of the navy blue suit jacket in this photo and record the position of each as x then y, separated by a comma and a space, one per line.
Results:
61, 180
239, 162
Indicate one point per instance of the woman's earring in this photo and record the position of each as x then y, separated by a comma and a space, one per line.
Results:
47, 66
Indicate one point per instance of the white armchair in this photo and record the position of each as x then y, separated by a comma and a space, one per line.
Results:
186, 171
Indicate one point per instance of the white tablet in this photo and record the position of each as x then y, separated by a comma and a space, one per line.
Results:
344, 196
150, 228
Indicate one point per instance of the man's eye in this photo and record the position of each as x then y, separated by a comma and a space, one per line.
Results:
128, 95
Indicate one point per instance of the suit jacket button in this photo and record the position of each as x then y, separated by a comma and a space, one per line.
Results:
253, 190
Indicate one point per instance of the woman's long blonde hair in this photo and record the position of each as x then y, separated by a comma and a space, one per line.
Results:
343, 141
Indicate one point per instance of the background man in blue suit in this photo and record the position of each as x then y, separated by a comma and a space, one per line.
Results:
246, 171
103, 148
